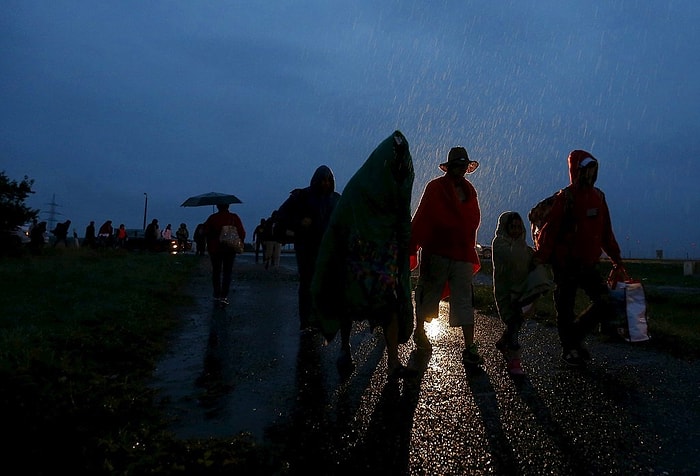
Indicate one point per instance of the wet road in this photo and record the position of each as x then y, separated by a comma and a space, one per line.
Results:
246, 368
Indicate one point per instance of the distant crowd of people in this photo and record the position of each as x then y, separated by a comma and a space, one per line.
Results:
107, 236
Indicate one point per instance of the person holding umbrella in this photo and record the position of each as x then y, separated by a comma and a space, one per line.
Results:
222, 257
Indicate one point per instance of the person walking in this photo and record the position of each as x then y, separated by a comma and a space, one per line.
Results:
577, 231
444, 229
122, 236
61, 233
306, 214
182, 235
36, 238
273, 248
200, 239
517, 283
167, 233
105, 235
362, 269
90, 235
258, 235
221, 256
151, 235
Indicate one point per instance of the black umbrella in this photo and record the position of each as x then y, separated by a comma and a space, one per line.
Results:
211, 198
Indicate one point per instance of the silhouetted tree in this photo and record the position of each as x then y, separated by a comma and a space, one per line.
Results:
13, 211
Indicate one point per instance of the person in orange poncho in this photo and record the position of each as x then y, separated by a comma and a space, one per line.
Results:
444, 229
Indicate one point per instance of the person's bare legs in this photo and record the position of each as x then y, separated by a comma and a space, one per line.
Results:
395, 369
468, 333
470, 355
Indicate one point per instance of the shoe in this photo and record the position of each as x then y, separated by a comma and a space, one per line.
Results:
401, 372
224, 301
505, 347
515, 367
572, 358
470, 356
421, 340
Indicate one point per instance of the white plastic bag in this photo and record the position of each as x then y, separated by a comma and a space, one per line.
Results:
630, 294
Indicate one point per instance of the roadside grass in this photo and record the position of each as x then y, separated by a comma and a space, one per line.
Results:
81, 332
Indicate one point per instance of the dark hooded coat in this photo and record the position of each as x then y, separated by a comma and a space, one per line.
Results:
307, 211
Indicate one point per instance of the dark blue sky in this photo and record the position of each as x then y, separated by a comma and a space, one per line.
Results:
103, 101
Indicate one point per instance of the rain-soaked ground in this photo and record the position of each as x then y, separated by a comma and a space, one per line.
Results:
633, 410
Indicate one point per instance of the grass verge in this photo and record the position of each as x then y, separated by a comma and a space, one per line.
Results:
80, 333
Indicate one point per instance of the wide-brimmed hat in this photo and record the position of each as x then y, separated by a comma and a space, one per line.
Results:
458, 156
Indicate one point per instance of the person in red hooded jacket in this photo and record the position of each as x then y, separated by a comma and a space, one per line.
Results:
444, 228
577, 232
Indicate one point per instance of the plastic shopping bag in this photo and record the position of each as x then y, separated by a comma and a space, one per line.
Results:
629, 303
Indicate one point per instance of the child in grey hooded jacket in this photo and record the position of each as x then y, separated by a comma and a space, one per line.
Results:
517, 283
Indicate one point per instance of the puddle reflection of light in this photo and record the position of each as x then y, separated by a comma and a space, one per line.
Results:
435, 329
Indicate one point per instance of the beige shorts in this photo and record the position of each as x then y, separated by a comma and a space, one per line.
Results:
435, 271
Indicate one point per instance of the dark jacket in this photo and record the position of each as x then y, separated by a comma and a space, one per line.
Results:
304, 216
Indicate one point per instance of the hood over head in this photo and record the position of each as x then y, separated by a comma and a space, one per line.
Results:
504, 221
578, 160
321, 173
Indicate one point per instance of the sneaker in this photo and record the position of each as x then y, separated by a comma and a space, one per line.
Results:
421, 340
515, 367
470, 356
572, 358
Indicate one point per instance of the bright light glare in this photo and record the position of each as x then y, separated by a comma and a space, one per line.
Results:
435, 328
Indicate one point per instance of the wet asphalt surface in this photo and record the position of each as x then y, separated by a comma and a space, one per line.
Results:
245, 368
